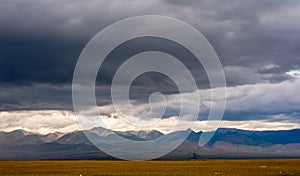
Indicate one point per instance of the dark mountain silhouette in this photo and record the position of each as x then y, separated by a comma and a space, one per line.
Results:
226, 143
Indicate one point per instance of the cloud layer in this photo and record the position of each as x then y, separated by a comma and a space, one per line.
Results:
258, 43
254, 107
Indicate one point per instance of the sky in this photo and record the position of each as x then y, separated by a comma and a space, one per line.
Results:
258, 43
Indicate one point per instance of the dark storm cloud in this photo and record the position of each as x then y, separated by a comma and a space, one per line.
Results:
35, 97
41, 41
28, 61
43, 96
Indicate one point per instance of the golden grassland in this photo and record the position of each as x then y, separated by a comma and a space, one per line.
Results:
281, 167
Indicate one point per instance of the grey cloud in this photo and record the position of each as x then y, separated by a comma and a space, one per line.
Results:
264, 101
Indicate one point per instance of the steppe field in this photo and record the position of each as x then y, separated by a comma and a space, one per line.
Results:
282, 167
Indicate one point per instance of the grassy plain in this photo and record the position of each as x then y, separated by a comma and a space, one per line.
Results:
282, 167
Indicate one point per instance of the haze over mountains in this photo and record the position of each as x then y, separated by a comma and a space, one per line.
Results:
226, 143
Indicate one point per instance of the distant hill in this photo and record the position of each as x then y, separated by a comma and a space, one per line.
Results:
226, 143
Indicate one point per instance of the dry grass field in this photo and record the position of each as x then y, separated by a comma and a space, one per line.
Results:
282, 167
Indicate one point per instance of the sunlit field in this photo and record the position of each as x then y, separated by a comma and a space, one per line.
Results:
110, 168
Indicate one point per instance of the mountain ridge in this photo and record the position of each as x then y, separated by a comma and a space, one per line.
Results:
226, 143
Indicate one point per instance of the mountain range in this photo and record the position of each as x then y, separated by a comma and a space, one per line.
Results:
226, 143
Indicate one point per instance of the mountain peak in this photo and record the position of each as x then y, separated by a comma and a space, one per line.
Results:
20, 132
